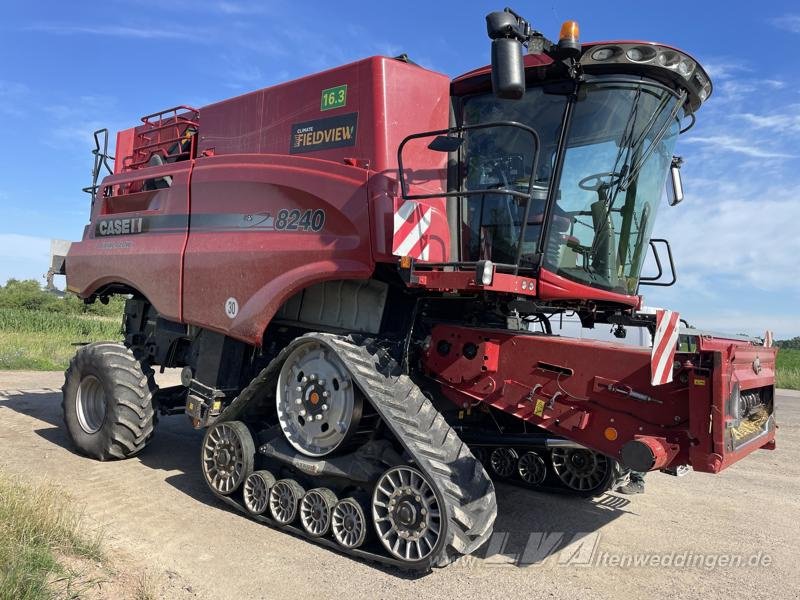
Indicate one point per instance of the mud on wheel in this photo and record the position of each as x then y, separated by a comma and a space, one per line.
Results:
108, 401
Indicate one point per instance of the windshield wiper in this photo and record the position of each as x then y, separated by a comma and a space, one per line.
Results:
636, 167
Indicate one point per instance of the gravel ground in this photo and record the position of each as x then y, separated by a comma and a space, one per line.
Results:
731, 535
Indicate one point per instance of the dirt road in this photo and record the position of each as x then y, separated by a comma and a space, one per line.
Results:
733, 535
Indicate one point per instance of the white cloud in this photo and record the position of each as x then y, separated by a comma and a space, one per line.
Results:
783, 326
14, 245
118, 31
240, 8
746, 243
780, 122
729, 143
789, 23
23, 256
724, 68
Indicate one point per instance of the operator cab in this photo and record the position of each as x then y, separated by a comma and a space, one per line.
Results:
556, 165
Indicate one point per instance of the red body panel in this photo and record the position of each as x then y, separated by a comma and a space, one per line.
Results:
233, 252
561, 384
149, 262
245, 174
547, 286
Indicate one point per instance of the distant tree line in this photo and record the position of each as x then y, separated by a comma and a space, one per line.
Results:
29, 295
793, 343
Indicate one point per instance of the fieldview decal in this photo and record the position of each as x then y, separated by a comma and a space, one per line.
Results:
324, 134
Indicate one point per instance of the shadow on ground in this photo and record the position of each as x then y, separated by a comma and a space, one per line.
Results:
530, 526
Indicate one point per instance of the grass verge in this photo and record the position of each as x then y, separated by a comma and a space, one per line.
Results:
42, 340
45, 341
787, 370
39, 527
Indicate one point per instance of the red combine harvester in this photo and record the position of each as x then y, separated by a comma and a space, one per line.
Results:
359, 273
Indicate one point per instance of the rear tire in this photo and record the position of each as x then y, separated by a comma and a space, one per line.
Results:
108, 401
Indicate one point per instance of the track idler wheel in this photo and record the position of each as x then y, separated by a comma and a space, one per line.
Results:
256, 491
227, 456
284, 500
315, 511
531, 468
582, 470
349, 523
406, 512
504, 461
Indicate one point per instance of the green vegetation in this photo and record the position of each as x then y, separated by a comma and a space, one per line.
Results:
788, 368
39, 330
38, 531
792, 344
29, 295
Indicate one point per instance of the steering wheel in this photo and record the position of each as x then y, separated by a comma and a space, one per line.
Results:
597, 178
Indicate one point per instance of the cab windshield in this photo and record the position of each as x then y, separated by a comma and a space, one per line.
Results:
618, 150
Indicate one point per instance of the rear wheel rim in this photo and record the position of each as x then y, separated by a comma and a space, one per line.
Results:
90, 404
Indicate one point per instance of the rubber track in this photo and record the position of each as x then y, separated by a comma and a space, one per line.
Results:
464, 488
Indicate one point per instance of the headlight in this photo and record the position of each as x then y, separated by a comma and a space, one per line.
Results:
686, 67
669, 58
605, 53
653, 60
641, 53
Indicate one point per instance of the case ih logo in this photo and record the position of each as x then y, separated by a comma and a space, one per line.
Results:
120, 227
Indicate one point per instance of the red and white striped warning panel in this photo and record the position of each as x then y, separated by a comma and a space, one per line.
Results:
420, 231
665, 342
768, 341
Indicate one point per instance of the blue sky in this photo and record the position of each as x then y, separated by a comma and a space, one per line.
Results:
67, 68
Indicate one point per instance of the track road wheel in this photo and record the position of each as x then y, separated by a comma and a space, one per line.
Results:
256, 491
227, 456
407, 515
315, 511
504, 461
349, 523
108, 401
584, 471
531, 468
284, 500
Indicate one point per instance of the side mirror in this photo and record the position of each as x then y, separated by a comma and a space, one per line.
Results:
508, 68
446, 143
675, 184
